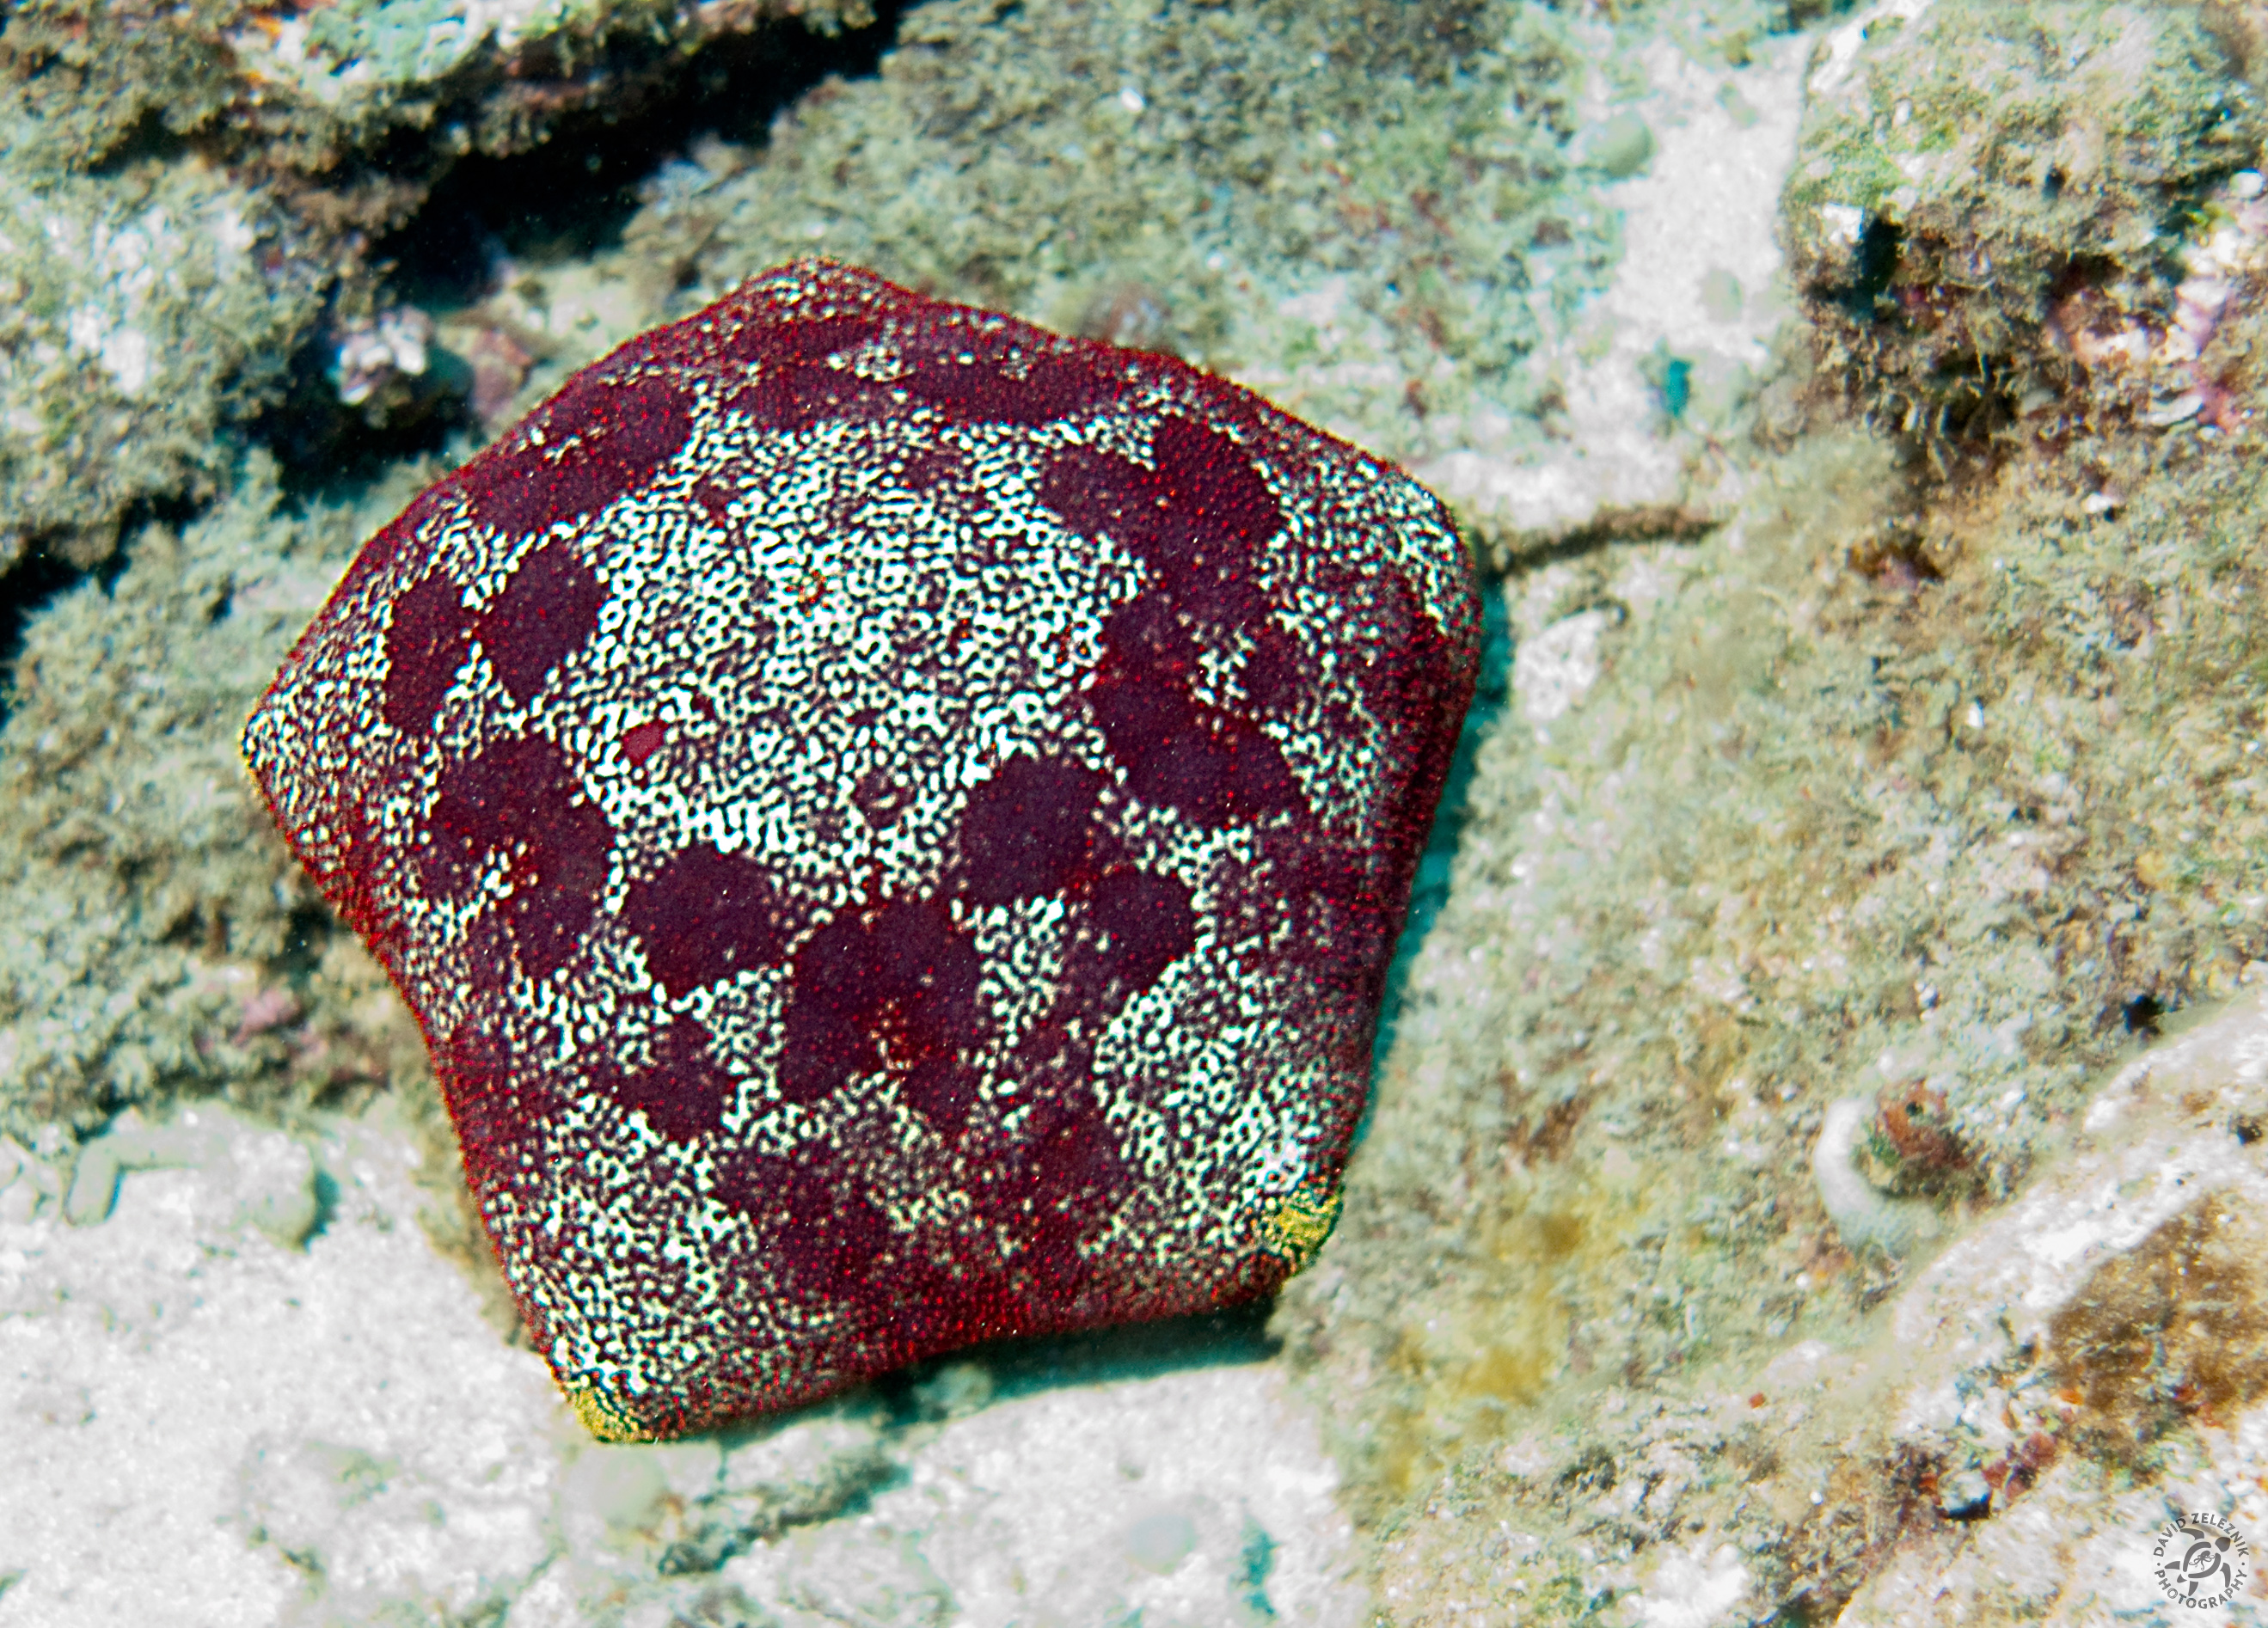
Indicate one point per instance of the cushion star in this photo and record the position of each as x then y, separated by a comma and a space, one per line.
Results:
893, 824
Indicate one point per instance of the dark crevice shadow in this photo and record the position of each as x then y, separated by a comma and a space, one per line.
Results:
1229, 1337
567, 198
147, 141
38, 578
571, 197
325, 449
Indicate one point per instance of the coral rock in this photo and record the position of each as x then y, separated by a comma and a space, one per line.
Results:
894, 824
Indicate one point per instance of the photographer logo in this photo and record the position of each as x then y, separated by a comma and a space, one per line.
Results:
2201, 1561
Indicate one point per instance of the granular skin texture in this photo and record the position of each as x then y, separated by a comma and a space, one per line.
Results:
893, 824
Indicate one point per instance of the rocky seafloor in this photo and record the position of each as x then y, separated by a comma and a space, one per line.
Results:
1816, 1167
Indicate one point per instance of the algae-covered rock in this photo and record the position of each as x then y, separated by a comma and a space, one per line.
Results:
1357, 206
1986, 182
299, 88
159, 938
184, 187
1999, 1443
1811, 876
1761, 834
86, 80
140, 315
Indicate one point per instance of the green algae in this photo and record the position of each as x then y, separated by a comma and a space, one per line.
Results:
90, 80
1883, 790
162, 943
1857, 796
1270, 180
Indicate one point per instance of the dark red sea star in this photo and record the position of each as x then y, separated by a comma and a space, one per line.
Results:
893, 824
